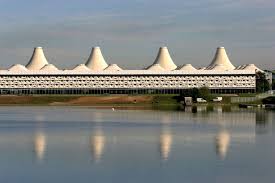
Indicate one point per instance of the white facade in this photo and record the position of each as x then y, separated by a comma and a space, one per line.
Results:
97, 74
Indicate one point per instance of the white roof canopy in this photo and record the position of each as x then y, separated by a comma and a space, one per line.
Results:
96, 60
164, 59
38, 59
221, 58
81, 67
113, 67
187, 67
18, 68
49, 67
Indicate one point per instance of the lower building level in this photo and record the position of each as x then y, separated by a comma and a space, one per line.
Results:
85, 91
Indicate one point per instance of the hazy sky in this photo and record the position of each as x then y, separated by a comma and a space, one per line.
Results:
130, 32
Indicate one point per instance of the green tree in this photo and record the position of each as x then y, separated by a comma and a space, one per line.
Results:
205, 93
262, 85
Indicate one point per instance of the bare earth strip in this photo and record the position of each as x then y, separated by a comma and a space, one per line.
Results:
74, 100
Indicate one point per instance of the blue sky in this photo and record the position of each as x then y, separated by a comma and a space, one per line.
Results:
131, 31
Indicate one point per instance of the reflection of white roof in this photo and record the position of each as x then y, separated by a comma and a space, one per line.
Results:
165, 145
18, 68
222, 143
164, 59
221, 58
49, 67
96, 60
113, 67
81, 67
40, 143
38, 60
187, 67
155, 67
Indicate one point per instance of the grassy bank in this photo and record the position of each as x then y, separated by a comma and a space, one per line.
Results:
107, 100
89, 100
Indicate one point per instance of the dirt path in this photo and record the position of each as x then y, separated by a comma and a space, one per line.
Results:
74, 100
89, 100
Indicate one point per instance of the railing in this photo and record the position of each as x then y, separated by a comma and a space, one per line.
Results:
243, 99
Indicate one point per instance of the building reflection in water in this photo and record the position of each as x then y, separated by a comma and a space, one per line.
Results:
222, 142
97, 142
165, 139
263, 122
40, 145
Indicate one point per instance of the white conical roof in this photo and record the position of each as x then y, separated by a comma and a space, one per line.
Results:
81, 67
38, 59
155, 67
113, 67
164, 59
251, 67
96, 60
18, 68
187, 67
49, 67
221, 58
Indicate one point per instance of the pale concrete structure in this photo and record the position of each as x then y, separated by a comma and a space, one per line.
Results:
113, 67
164, 59
38, 59
81, 68
187, 67
96, 61
218, 67
96, 77
18, 68
49, 68
155, 67
252, 67
221, 58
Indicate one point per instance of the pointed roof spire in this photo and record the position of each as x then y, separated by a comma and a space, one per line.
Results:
164, 59
221, 58
96, 60
38, 59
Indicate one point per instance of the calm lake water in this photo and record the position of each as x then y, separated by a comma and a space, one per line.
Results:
82, 144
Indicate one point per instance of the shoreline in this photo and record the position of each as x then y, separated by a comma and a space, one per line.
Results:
120, 101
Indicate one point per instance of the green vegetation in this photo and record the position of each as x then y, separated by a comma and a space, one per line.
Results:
195, 93
165, 100
262, 85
